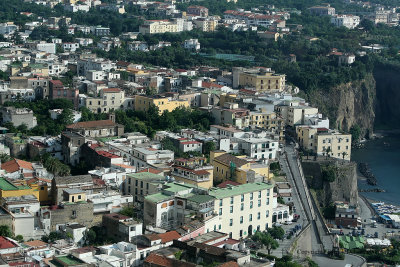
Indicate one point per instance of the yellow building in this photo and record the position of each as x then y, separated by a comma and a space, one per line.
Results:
110, 99
142, 103
206, 24
8, 189
296, 114
262, 81
322, 141
267, 120
74, 195
226, 97
229, 167
158, 26
200, 177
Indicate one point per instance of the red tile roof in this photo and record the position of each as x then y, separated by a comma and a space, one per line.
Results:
210, 85
190, 142
36, 243
5, 243
169, 236
226, 183
111, 90
158, 260
15, 165
107, 154
91, 124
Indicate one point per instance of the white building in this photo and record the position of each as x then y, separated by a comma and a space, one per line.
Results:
243, 209
348, 21
70, 46
192, 44
78, 233
109, 201
46, 47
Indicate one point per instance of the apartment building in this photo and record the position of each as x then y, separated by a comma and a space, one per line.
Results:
143, 103
110, 99
243, 209
238, 169
319, 140
206, 24
261, 80
296, 115
267, 120
200, 176
348, 21
322, 10
200, 11
158, 26
142, 184
144, 157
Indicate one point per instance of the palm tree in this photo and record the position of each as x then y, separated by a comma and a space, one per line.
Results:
328, 150
344, 154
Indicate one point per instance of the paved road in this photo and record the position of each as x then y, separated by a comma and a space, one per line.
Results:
324, 261
316, 237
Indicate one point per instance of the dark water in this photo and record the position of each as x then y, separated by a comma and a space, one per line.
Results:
384, 161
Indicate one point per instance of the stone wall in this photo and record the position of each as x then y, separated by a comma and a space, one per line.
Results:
81, 213
301, 247
344, 188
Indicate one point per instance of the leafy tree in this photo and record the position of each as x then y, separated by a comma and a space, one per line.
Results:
355, 132
329, 173
280, 200
53, 236
268, 242
208, 147
276, 232
66, 117
91, 237
19, 238
4, 157
5, 231
127, 211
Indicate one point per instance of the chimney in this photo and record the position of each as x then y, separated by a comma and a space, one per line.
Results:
111, 117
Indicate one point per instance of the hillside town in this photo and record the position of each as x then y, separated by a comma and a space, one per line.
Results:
108, 161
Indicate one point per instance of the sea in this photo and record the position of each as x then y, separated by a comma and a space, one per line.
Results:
383, 157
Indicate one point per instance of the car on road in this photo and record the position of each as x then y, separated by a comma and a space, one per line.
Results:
288, 222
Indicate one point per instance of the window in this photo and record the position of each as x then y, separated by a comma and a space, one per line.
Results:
220, 211
242, 198
136, 182
259, 202
220, 202
230, 222
231, 209
259, 194
141, 184
251, 196
267, 214
251, 204
251, 217
219, 227
258, 216
267, 193
79, 197
241, 233
241, 219
231, 200
268, 201
242, 206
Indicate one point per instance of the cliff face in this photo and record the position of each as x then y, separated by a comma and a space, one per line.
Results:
344, 188
348, 104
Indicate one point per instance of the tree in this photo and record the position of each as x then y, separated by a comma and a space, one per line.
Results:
276, 232
4, 158
268, 242
280, 200
344, 154
127, 211
329, 173
23, 128
19, 238
355, 132
328, 150
91, 237
5, 231
66, 117
208, 147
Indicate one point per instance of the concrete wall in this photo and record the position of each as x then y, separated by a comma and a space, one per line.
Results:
301, 247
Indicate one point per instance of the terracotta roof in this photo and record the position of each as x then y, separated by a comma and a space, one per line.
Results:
158, 260
91, 124
83, 250
5, 243
107, 154
228, 158
56, 82
117, 216
111, 90
226, 183
36, 243
169, 236
209, 85
15, 165
190, 142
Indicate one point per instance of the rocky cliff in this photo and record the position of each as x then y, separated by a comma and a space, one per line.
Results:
348, 104
344, 186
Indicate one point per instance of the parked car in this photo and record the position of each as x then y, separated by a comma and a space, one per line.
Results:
376, 235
